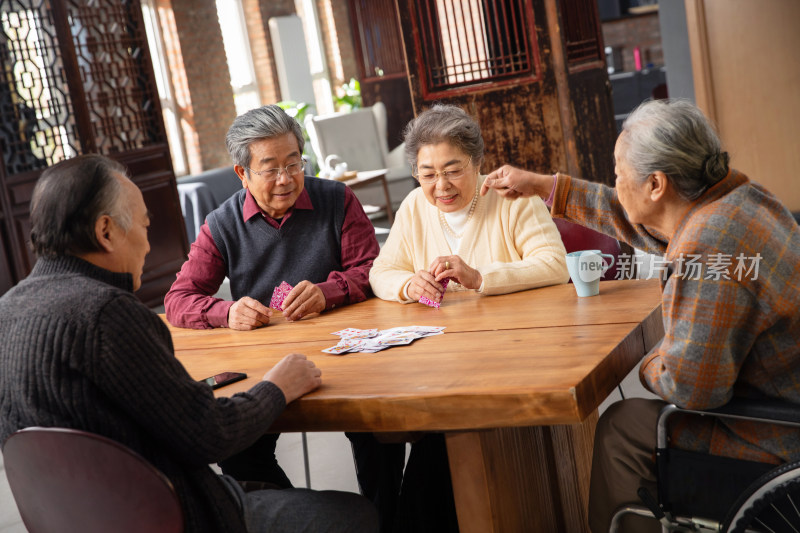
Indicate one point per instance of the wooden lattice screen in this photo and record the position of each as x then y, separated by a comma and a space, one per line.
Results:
581, 32
466, 43
76, 77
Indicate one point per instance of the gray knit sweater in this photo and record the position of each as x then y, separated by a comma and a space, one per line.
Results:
78, 350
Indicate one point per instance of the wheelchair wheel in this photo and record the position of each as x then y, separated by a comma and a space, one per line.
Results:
770, 505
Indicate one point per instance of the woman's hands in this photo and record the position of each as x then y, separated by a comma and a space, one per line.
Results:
455, 268
428, 282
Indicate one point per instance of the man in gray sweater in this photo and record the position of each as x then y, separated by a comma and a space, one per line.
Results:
80, 351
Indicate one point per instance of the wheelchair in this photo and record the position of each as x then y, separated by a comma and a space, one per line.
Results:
704, 493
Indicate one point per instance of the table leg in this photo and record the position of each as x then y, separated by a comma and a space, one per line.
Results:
522, 479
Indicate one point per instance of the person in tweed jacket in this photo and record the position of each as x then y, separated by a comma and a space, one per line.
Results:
731, 294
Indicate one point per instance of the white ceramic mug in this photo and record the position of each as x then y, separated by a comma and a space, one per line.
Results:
586, 267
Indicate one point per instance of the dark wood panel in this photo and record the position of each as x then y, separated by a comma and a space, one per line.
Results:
381, 63
558, 119
595, 132
89, 107
519, 119
7, 276
396, 96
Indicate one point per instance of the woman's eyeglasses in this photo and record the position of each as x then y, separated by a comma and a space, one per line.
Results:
432, 176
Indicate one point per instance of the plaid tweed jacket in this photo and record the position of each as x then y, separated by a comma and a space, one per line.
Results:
730, 304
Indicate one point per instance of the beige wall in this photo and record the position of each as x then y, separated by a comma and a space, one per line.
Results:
747, 78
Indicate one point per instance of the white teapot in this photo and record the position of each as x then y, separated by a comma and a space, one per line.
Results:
329, 170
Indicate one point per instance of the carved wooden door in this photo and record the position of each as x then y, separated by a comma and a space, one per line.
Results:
77, 78
531, 72
381, 62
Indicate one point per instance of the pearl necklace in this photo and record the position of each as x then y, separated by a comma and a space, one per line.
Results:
447, 227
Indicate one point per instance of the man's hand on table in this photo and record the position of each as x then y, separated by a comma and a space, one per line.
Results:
248, 313
295, 375
304, 299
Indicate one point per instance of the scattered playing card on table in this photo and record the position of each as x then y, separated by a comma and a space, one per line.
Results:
372, 340
279, 295
353, 333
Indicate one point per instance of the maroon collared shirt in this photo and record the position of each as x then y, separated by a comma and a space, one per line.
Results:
190, 302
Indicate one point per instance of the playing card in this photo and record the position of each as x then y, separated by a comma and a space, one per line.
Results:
345, 345
336, 350
427, 301
397, 340
353, 333
279, 295
372, 340
425, 331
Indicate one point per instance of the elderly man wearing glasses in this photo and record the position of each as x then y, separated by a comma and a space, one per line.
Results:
282, 226
445, 229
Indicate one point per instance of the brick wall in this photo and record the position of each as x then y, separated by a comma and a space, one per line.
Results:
263, 63
206, 68
334, 18
642, 31
270, 90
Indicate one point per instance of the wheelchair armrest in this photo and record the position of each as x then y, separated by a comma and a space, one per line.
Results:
777, 411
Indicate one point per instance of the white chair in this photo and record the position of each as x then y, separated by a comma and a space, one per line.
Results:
359, 138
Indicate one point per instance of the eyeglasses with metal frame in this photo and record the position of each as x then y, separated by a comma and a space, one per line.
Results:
272, 174
432, 176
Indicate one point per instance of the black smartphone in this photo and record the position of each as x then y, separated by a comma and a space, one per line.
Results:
225, 378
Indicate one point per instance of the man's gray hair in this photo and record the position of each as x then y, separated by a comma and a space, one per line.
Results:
257, 124
444, 123
675, 137
69, 198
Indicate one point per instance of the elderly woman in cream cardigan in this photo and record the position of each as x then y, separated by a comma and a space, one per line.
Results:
445, 229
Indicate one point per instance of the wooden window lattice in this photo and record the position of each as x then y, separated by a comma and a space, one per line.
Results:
581, 31
109, 44
37, 118
464, 43
37, 127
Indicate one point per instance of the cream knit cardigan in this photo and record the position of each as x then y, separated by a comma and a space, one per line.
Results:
513, 244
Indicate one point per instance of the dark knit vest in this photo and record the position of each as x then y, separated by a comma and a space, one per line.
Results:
258, 256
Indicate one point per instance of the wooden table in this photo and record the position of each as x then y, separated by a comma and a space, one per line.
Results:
515, 382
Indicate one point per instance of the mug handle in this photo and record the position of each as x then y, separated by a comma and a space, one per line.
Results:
610, 258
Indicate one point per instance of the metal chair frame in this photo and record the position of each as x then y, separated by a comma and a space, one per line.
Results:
758, 493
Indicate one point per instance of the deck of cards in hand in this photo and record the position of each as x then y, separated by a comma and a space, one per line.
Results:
427, 301
373, 340
279, 295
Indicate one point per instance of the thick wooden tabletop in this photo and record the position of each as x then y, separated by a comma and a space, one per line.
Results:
536, 357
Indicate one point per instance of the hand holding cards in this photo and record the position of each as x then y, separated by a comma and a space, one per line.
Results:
427, 301
372, 340
279, 295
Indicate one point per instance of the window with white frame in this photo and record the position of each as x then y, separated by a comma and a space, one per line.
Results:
240, 59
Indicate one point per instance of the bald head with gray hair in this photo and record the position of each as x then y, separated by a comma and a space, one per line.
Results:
676, 138
257, 124
444, 123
